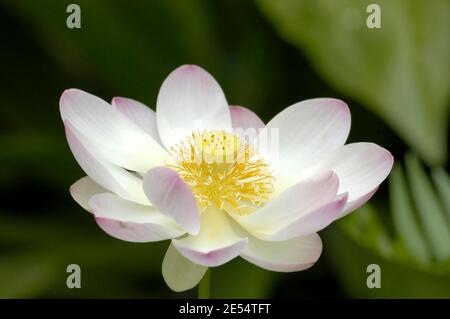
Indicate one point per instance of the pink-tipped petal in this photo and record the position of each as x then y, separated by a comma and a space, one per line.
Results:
180, 273
108, 176
83, 189
172, 196
361, 167
116, 138
218, 241
357, 203
212, 258
309, 223
135, 232
306, 131
130, 221
138, 113
294, 203
242, 117
190, 99
246, 123
295, 254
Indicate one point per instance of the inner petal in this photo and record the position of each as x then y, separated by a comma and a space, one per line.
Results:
223, 171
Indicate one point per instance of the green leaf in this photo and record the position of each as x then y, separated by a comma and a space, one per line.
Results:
350, 258
430, 212
404, 220
400, 71
442, 182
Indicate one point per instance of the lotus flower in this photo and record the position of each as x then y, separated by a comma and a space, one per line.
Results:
158, 176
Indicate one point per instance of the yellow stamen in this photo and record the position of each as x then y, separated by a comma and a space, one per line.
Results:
223, 171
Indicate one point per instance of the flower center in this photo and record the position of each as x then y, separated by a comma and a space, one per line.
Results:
223, 171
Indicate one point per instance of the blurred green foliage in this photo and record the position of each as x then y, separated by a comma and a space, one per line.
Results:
400, 71
126, 48
415, 255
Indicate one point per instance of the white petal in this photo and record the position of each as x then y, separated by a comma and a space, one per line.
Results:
83, 189
130, 221
139, 113
173, 197
297, 201
286, 256
361, 167
107, 175
118, 139
306, 131
190, 99
218, 242
308, 223
180, 273
357, 203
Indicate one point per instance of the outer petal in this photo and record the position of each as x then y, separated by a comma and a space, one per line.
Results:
357, 203
107, 175
118, 139
190, 99
83, 189
130, 221
172, 196
361, 167
308, 223
180, 273
139, 113
306, 131
218, 242
293, 204
286, 256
